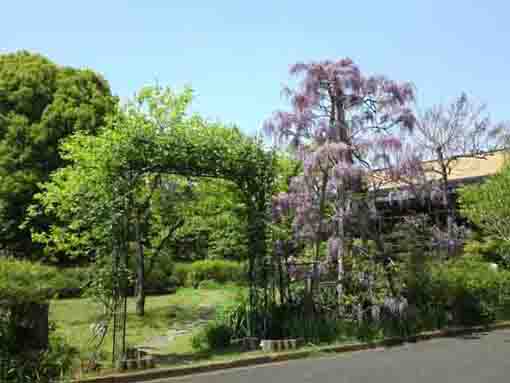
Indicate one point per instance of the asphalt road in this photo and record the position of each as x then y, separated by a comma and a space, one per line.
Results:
469, 359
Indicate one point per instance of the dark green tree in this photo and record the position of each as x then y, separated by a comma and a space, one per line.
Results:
40, 103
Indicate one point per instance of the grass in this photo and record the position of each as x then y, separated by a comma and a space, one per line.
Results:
73, 318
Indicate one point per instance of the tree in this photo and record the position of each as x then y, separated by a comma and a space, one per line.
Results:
102, 193
340, 121
446, 134
40, 103
488, 205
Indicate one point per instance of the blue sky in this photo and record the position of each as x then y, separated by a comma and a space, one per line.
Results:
236, 54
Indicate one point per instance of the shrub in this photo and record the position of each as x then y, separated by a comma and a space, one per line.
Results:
57, 361
490, 249
46, 366
468, 289
214, 336
181, 272
279, 321
70, 282
220, 271
199, 341
159, 280
24, 281
159, 272
235, 315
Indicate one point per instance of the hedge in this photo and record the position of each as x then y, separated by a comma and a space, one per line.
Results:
218, 270
23, 281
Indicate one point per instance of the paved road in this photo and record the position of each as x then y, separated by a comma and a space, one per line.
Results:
468, 359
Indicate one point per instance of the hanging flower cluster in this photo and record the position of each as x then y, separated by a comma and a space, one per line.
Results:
339, 126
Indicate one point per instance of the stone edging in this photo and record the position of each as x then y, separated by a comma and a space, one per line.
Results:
282, 357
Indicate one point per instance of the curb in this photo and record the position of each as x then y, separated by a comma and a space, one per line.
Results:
283, 357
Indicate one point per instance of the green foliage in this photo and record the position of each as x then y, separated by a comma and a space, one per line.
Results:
318, 330
287, 167
104, 280
23, 281
57, 361
181, 272
40, 104
115, 191
235, 315
491, 249
219, 214
47, 366
108, 182
227, 325
160, 274
468, 288
215, 225
214, 336
488, 205
278, 321
218, 270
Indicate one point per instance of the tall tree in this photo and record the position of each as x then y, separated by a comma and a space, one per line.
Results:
40, 103
339, 118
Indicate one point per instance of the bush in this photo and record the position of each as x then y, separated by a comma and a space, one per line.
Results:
220, 271
181, 272
160, 280
279, 321
57, 361
235, 315
468, 289
47, 366
214, 336
24, 281
490, 249
70, 282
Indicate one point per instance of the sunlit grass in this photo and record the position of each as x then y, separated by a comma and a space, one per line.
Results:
73, 318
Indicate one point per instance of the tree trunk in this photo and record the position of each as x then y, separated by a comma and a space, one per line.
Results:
140, 271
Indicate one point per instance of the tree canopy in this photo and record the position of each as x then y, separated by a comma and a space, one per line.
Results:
40, 103
488, 205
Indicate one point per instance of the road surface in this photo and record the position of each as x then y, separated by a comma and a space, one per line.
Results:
467, 359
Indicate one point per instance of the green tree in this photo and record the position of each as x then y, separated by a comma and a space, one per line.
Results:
103, 195
40, 103
488, 206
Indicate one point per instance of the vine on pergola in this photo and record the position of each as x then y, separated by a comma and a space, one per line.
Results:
111, 177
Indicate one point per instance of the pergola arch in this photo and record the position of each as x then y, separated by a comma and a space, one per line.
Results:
217, 152
211, 151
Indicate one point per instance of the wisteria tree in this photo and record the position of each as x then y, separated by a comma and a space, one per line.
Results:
341, 124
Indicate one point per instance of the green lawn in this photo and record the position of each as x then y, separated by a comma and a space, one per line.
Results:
73, 318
